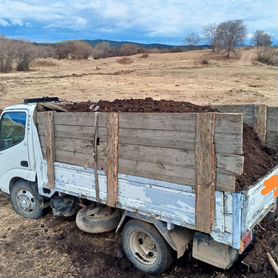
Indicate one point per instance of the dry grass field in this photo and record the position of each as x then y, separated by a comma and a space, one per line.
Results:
178, 76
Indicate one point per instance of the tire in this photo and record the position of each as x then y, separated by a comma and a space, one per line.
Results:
145, 248
25, 200
98, 219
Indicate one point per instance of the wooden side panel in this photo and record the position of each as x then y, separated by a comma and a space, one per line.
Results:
260, 122
112, 158
50, 148
153, 145
272, 128
247, 111
205, 172
75, 119
263, 119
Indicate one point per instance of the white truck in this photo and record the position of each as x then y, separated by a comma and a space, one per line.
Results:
157, 218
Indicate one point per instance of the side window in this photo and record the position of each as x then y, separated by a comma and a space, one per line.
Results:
12, 129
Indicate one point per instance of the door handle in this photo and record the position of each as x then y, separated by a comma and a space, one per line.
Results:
24, 163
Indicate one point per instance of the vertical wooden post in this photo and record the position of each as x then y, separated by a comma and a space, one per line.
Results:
112, 158
205, 171
50, 148
260, 122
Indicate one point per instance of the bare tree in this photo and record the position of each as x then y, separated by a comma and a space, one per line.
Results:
261, 38
81, 50
192, 40
231, 34
129, 49
26, 53
15, 54
7, 55
103, 50
210, 33
74, 50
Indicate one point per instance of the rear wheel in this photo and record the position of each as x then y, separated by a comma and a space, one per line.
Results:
145, 247
25, 200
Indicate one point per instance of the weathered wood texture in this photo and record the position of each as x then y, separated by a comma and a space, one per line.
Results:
272, 128
112, 158
154, 145
205, 171
260, 122
246, 109
50, 148
262, 118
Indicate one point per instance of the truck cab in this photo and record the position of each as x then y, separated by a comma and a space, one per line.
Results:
17, 159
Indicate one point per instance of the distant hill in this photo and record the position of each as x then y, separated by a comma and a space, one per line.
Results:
143, 45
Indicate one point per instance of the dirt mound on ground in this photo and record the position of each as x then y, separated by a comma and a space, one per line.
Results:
266, 242
258, 159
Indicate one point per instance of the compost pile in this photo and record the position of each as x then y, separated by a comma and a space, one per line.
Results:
146, 105
258, 160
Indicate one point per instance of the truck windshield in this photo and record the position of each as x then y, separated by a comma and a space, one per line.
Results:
12, 129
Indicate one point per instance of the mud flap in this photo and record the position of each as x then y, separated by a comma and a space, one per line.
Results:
217, 254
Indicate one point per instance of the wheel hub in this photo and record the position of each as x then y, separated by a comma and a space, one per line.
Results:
25, 200
143, 248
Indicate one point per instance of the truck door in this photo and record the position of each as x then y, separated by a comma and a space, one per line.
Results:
14, 158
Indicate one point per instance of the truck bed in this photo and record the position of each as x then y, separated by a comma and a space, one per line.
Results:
235, 213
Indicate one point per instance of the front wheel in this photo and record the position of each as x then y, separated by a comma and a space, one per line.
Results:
25, 200
144, 246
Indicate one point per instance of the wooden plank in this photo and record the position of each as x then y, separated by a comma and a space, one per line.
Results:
229, 123
169, 173
158, 138
260, 122
227, 163
178, 140
158, 121
112, 158
225, 123
79, 159
272, 140
74, 118
175, 174
76, 132
76, 146
225, 182
246, 109
50, 148
157, 155
229, 143
230, 164
272, 112
205, 171
272, 125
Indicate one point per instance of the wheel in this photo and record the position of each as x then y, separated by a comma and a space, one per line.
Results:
25, 200
98, 219
146, 249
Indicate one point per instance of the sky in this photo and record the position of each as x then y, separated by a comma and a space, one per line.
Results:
161, 21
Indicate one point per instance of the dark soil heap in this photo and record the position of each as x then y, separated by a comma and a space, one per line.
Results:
146, 105
266, 242
258, 160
